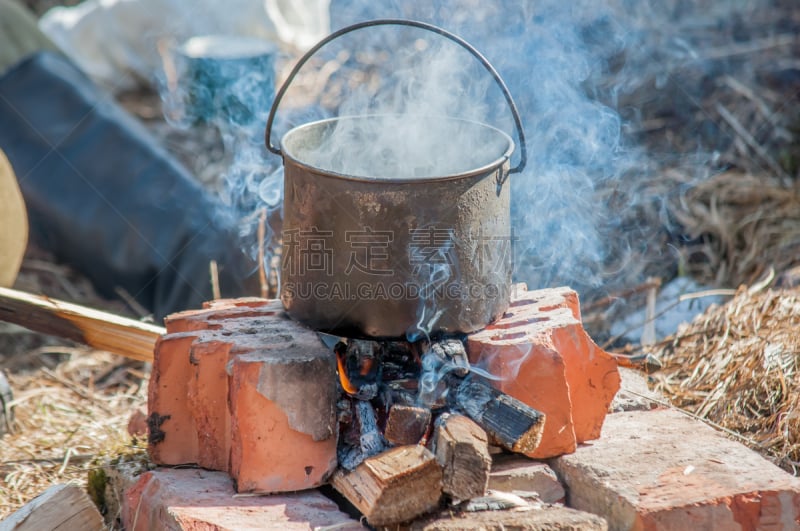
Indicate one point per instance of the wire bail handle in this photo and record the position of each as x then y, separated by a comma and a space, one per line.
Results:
415, 24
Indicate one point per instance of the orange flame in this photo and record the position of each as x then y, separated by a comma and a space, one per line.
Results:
348, 387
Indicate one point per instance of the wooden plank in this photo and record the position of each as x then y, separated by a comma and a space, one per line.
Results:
395, 486
509, 423
98, 329
461, 448
62, 507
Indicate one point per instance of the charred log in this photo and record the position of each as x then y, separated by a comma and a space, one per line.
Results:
407, 424
363, 439
509, 423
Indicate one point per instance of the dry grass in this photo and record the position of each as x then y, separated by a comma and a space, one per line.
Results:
743, 226
737, 366
66, 418
72, 403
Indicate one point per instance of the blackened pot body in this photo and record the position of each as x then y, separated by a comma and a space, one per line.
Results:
393, 255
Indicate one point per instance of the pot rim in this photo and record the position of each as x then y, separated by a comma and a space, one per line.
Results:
491, 166
204, 47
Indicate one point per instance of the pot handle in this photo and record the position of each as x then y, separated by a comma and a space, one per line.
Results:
416, 24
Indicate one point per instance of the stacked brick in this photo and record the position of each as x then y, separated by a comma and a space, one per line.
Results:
546, 359
238, 387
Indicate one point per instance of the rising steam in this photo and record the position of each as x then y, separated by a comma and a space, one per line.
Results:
580, 212
574, 142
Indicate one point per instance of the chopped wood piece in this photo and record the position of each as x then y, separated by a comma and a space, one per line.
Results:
509, 423
407, 424
101, 330
369, 439
461, 448
63, 507
395, 486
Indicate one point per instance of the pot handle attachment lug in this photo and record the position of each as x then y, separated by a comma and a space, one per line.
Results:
415, 24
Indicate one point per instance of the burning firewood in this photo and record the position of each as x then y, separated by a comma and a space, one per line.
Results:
359, 365
441, 359
461, 448
407, 424
509, 423
364, 436
399, 387
395, 486
452, 352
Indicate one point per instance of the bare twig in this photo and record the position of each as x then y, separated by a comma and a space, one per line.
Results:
748, 93
757, 148
746, 48
624, 294
214, 272
262, 273
132, 303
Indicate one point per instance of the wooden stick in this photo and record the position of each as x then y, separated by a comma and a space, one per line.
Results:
213, 270
98, 329
132, 303
262, 272
624, 294
749, 47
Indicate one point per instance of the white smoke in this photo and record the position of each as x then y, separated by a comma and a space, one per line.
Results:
583, 211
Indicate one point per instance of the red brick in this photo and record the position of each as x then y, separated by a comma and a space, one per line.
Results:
195, 500
172, 430
209, 317
660, 470
545, 358
208, 394
208, 402
244, 302
516, 472
188, 321
271, 452
553, 518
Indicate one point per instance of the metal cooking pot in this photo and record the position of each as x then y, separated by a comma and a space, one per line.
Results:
396, 248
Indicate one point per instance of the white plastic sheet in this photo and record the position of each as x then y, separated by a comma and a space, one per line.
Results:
116, 41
